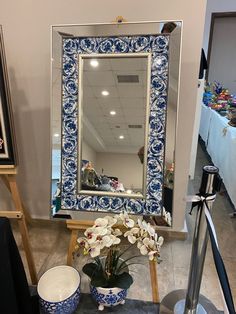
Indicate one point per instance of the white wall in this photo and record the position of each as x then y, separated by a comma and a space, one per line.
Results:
126, 167
214, 6
88, 153
27, 39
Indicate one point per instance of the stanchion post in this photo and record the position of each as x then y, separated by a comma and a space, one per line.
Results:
200, 239
190, 301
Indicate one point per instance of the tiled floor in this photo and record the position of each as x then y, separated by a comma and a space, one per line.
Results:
50, 241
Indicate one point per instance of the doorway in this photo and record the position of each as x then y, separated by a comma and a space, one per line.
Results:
222, 50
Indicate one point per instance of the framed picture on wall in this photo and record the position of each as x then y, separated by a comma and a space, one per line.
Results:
7, 143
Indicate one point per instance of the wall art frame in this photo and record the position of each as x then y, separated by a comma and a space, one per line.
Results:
7, 142
157, 46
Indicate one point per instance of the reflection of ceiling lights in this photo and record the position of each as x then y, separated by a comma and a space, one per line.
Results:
56, 135
121, 137
94, 63
105, 93
112, 112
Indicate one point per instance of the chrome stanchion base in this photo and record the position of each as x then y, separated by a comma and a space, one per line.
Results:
180, 306
174, 302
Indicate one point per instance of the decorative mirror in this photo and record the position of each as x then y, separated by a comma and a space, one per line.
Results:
114, 107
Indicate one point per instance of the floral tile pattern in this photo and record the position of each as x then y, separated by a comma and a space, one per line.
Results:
158, 47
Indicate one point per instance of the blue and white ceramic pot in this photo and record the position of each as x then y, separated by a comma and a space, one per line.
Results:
108, 297
59, 290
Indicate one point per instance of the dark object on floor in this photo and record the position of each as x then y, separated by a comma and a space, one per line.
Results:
62, 216
168, 199
15, 296
88, 306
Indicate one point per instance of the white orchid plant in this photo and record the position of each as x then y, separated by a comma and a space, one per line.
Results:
103, 239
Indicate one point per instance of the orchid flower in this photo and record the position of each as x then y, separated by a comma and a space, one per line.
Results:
95, 249
103, 235
117, 232
110, 240
101, 222
127, 222
111, 221
132, 235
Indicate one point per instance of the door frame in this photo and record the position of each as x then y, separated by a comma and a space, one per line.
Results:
214, 16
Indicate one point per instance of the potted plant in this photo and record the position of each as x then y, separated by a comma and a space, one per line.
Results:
109, 272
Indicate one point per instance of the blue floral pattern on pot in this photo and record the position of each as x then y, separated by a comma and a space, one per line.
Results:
158, 47
108, 297
67, 306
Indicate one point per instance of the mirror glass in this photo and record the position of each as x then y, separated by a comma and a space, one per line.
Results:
106, 140
113, 108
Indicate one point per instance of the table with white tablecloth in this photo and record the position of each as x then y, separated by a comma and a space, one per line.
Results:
220, 141
205, 122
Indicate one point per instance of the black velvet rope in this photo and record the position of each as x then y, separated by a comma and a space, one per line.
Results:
221, 271
219, 264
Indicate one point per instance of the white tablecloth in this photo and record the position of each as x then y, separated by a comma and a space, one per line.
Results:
221, 146
206, 113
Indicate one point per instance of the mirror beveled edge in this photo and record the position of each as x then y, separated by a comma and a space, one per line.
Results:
61, 26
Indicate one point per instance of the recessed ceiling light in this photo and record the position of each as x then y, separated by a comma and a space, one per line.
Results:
112, 112
105, 93
121, 137
56, 134
94, 63
129, 191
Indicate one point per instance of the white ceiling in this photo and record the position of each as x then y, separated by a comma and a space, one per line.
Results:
128, 100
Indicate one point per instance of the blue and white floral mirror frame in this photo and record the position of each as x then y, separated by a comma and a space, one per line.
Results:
158, 47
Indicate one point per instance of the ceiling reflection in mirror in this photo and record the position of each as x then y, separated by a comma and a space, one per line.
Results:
113, 110
109, 126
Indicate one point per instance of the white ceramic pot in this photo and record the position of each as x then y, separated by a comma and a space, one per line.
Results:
108, 297
59, 290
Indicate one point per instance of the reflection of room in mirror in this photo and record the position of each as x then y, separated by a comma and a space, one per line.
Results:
113, 123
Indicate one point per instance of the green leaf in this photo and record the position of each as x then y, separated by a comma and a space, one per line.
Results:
98, 261
127, 265
122, 253
123, 281
99, 280
124, 262
90, 268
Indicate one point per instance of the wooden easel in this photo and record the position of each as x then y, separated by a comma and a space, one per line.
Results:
8, 176
75, 226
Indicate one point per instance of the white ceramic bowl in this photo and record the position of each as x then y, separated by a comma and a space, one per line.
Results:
59, 291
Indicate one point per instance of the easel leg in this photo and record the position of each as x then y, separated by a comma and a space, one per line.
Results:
16, 196
154, 283
5, 181
27, 248
73, 238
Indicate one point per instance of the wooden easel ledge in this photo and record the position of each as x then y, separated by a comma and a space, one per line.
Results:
8, 175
